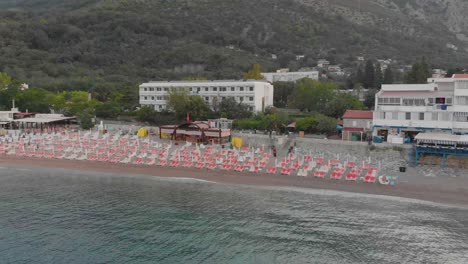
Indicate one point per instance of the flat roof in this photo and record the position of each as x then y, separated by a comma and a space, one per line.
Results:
441, 138
43, 120
428, 87
212, 82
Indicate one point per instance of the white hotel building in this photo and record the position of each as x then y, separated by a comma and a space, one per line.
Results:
256, 94
407, 109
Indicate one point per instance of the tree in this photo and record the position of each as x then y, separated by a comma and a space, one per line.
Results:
282, 92
34, 100
73, 103
108, 109
255, 73
369, 75
388, 76
181, 103
325, 124
340, 103
312, 95
231, 109
5, 80
378, 77
307, 124
418, 73
85, 120
369, 100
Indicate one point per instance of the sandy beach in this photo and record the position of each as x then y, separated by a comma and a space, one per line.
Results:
453, 191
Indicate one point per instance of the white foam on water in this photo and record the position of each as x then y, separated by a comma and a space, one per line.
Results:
345, 194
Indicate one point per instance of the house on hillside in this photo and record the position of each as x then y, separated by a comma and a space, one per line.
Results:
357, 125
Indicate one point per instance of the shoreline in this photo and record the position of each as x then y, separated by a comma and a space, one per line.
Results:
450, 191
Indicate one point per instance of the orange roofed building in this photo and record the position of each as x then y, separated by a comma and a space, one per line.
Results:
357, 125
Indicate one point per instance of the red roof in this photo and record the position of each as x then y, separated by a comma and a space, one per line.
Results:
460, 75
353, 129
358, 114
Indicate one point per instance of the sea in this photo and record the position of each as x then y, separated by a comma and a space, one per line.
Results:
62, 216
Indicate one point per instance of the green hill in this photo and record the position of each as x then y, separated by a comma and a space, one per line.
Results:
82, 44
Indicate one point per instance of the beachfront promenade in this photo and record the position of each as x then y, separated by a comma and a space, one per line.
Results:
129, 149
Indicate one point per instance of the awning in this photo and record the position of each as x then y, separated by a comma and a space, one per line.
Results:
441, 138
353, 129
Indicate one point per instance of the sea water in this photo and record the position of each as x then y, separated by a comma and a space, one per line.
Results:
59, 216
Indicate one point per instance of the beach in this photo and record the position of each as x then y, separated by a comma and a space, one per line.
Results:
444, 190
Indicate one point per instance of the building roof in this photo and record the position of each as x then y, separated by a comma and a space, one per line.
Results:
441, 138
43, 120
353, 129
460, 76
213, 82
358, 114
429, 87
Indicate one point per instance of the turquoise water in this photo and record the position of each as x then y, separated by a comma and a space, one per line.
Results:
58, 216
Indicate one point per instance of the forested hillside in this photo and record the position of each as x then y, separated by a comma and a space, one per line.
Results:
98, 45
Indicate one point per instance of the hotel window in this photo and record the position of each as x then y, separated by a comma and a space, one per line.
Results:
206, 89
152, 97
207, 98
251, 89
159, 97
241, 99
198, 89
233, 89
215, 89
251, 98
158, 89
166, 89
430, 101
160, 107
440, 100
241, 89
444, 117
407, 116
222, 89
145, 89
448, 101
146, 98
151, 89
421, 116
388, 101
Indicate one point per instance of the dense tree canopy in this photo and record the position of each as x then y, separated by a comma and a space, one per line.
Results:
321, 97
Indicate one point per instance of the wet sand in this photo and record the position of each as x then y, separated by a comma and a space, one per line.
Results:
450, 190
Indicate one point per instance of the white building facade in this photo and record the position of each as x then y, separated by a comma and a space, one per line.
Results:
290, 76
256, 94
407, 109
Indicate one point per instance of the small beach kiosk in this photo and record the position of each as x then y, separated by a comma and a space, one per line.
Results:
196, 132
442, 148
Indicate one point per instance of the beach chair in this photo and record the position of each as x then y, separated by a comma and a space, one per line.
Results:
239, 168
174, 163
115, 160
271, 170
188, 164
200, 165
226, 167
150, 161
369, 179
162, 163
302, 173
351, 176
212, 166
286, 171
